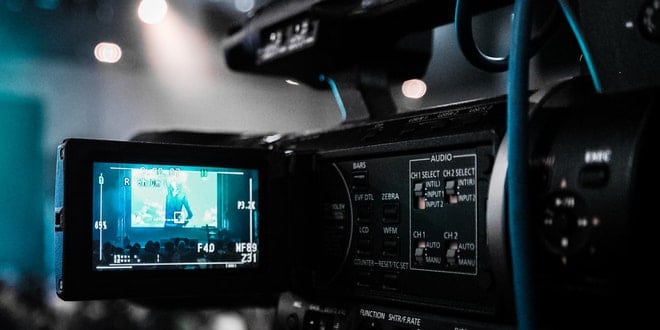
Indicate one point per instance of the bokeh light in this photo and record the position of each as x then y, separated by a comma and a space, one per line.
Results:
244, 5
107, 52
413, 88
152, 11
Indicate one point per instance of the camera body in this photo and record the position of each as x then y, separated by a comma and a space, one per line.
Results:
393, 224
400, 214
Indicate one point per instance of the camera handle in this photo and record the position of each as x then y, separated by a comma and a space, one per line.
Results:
363, 93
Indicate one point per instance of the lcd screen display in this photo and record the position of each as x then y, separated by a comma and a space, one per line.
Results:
158, 216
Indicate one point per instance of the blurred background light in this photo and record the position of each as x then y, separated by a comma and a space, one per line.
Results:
15, 6
21, 227
180, 56
152, 11
107, 52
413, 88
47, 4
244, 5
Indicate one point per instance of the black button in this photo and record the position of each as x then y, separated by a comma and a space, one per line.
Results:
364, 213
364, 279
391, 213
391, 281
593, 176
391, 247
359, 180
364, 246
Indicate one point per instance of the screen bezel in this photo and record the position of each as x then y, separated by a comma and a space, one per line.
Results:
81, 281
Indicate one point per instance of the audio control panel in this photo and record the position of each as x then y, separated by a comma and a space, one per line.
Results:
413, 219
414, 225
443, 189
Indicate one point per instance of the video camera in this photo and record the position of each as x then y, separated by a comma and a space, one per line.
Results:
406, 212
394, 223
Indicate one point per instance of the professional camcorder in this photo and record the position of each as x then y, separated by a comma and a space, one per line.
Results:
393, 223
404, 213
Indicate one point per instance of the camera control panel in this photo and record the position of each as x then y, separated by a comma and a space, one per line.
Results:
409, 225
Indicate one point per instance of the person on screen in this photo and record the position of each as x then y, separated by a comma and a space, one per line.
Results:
175, 202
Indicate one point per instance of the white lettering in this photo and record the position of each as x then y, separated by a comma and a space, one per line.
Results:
433, 194
363, 262
441, 158
389, 196
466, 246
466, 198
372, 314
419, 234
466, 182
416, 321
359, 165
433, 245
392, 264
246, 247
210, 247
434, 183
430, 174
390, 230
568, 201
363, 197
338, 207
597, 156
434, 260
433, 204
454, 172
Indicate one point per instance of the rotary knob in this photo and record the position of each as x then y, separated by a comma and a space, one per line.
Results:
564, 225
